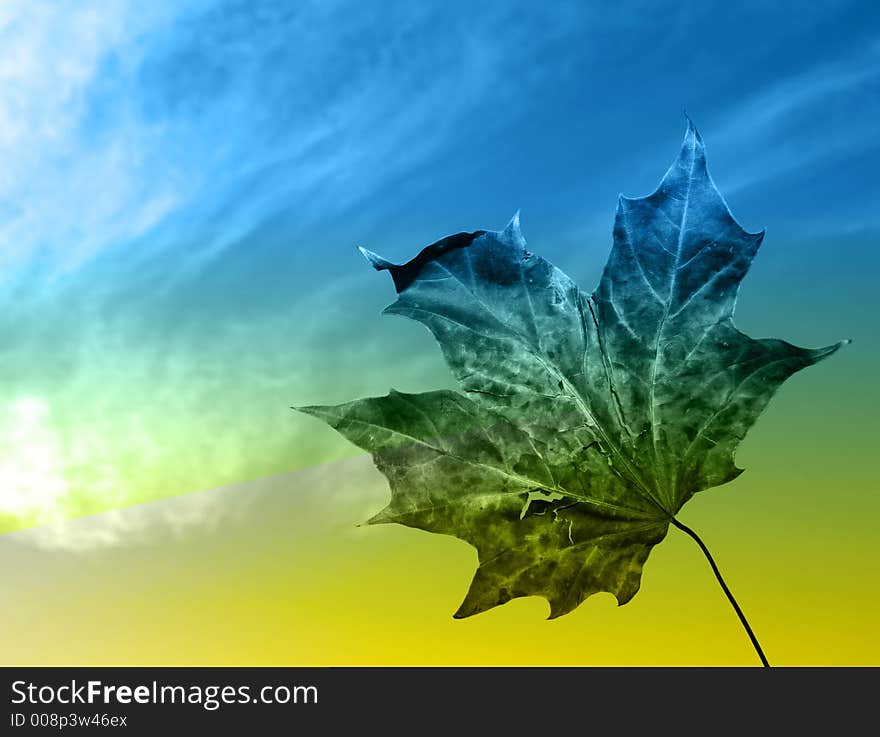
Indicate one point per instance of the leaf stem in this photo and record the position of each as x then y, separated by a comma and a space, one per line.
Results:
739, 612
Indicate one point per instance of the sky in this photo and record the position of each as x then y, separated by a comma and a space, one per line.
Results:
184, 185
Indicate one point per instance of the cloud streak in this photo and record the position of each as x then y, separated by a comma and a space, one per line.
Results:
324, 499
72, 179
798, 121
143, 126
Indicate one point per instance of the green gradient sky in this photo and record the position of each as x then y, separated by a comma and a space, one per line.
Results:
183, 193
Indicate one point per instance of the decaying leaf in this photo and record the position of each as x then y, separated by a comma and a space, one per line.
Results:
585, 422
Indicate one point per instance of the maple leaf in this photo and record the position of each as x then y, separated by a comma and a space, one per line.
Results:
585, 422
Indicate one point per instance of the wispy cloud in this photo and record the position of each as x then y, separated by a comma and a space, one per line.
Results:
327, 498
795, 122
200, 120
73, 163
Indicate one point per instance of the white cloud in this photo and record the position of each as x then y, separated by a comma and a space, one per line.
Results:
72, 175
317, 500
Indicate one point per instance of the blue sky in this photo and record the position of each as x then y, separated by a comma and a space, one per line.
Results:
204, 121
184, 185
